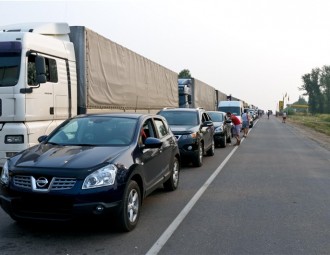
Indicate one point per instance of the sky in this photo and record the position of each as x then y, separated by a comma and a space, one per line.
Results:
255, 50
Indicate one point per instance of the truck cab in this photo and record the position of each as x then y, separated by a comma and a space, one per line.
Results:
185, 93
33, 103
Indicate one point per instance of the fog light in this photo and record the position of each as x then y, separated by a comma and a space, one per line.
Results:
10, 154
99, 209
189, 148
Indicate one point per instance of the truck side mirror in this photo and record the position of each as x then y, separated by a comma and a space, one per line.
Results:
41, 69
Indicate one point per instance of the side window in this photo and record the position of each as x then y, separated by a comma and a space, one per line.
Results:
51, 70
147, 130
205, 117
161, 128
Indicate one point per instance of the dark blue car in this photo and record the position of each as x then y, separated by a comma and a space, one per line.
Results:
92, 165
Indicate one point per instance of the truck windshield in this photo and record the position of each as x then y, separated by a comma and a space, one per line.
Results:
232, 109
10, 59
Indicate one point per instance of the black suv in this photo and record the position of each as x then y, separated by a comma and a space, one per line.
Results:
92, 165
194, 130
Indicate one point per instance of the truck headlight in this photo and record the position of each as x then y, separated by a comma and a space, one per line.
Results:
105, 176
5, 174
14, 139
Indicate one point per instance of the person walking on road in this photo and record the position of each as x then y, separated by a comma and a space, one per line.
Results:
246, 122
237, 125
283, 117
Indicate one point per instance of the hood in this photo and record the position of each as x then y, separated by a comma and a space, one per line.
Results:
57, 156
217, 123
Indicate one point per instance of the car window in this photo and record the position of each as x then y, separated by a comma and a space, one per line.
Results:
96, 130
147, 130
161, 128
205, 117
217, 117
189, 118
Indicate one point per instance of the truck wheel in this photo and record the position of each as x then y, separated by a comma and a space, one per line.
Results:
173, 182
129, 211
210, 152
198, 157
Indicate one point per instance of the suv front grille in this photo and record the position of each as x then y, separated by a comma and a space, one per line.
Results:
177, 137
42, 184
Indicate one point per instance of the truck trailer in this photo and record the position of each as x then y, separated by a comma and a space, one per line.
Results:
50, 72
194, 93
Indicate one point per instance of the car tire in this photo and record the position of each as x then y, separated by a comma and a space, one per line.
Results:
210, 152
198, 157
229, 138
223, 142
129, 211
173, 182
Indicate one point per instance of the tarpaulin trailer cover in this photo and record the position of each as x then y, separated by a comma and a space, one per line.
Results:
111, 76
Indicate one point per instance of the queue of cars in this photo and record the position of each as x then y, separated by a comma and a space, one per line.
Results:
104, 165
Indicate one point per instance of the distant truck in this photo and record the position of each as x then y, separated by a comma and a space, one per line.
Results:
50, 72
234, 107
194, 93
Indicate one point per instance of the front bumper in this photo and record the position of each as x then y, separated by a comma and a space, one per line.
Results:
59, 207
188, 147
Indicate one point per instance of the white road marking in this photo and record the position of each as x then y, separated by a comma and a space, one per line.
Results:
174, 225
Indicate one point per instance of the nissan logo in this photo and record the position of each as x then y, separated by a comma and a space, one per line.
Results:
42, 182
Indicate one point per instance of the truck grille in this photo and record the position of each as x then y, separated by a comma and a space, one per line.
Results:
42, 184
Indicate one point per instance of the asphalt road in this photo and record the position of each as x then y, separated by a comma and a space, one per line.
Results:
270, 195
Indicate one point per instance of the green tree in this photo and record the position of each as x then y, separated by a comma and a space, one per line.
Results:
325, 85
185, 73
301, 101
312, 90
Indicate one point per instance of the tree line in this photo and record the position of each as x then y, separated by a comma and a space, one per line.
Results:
316, 85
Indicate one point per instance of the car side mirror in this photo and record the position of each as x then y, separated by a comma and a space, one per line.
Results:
207, 123
42, 138
152, 143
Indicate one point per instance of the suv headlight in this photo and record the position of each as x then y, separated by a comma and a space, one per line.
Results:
192, 135
218, 129
5, 174
105, 176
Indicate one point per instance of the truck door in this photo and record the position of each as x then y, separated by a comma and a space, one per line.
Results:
48, 101
61, 91
39, 99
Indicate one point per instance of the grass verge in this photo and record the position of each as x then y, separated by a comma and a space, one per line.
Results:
318, 122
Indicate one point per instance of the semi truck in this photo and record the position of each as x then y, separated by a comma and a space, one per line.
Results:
51, 71
194, 93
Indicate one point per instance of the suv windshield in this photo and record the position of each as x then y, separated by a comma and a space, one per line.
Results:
105, 131
10, 59
217, 117
189, 118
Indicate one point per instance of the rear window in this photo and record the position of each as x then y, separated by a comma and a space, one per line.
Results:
188, 118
